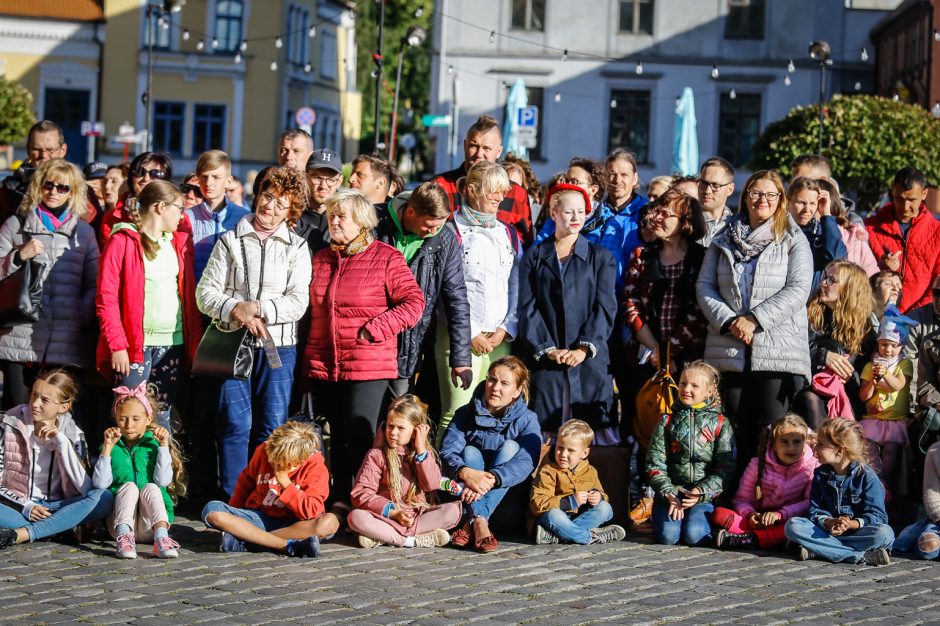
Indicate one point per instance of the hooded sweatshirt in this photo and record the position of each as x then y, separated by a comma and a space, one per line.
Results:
785, 488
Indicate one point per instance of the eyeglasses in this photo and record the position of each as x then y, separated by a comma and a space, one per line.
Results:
662, 212
50, 186
193, 189
575, 181
715, 187
323, 180
178, 206
826, 279
38, 153
154, 173
269, 198
772, 196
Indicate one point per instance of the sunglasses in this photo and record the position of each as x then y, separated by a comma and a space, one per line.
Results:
193, 189
141, 172
50, 186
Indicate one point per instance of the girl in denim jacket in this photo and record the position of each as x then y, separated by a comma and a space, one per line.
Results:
847, 519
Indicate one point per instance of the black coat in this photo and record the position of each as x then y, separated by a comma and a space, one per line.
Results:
312, 226
438, 270
566, 312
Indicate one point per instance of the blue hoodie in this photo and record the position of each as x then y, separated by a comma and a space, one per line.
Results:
860, 496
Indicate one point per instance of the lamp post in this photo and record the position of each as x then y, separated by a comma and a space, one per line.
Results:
820, 52
155, 10
413, 38
378, 60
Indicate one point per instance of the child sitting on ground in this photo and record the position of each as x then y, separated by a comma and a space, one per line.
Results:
691, 458
847, 519
775, 487
567, 497
388, 495
921, 539
278, 499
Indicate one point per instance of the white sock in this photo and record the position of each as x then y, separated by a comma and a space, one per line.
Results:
409, 542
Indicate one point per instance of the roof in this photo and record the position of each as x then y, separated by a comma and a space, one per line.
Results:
71, 10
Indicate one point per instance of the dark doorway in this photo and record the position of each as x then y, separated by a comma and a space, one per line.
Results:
69, 108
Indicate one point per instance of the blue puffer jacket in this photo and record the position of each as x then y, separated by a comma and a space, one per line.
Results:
622, 235
474, 425
860, 496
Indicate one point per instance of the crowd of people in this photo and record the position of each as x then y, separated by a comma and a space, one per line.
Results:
305, 356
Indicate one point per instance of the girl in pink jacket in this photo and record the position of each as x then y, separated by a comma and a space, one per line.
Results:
388, 496
775, 487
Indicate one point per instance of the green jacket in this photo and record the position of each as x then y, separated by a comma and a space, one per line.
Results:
692, 448
136, 465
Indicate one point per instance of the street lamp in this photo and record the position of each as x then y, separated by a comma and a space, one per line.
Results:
413, 38
820, 52
377, 73
156, 10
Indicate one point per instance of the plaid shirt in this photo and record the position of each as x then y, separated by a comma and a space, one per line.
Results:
513, 210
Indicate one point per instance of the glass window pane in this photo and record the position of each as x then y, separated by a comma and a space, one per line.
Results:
518, 13
537, 18
646, 17
626, 16
630, 122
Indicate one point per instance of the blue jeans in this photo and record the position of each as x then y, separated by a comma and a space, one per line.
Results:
693, 529
66, 514
848, 547
576, 527
250, 410
909, 539
256, 517
483, 460
160, 367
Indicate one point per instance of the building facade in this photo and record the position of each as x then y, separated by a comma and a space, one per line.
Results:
906, 43
607, 73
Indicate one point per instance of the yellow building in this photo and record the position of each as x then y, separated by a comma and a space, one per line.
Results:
227, 74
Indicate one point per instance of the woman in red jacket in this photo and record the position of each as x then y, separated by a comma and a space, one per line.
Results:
362, 295
146, 296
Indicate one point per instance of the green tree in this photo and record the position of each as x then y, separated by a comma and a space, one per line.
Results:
16, 111
416, 67
866, 138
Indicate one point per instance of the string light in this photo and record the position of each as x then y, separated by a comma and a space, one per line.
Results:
200, 44
238, 58
564, 55
312, 32
278, 43
935, 111
186, 35
786, 80
639, 68
419, 12
858, 86
790, 66
864, 54
733, 94
492, 36
308, 68
936, 35
215, 43
244, 45
613, 103
163, 22
557, 96
714, 71
450, 69
273, 66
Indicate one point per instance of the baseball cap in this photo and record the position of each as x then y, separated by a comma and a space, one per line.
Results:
95, 170
324, 159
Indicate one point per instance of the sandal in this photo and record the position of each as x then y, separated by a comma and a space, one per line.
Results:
487, 544
460, 538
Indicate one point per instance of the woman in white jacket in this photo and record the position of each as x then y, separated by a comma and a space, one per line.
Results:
258, 277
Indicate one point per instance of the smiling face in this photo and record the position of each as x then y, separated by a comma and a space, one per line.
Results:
762, 199
272, 210
694, 388
569, 451
803, 206
398, 431
663, 222
568, 212
829, 454
145, 174
501, 389
622, 179
484, 202
789, 445
714, 186
132, 420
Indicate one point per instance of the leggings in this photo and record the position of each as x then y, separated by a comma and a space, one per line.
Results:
365, 523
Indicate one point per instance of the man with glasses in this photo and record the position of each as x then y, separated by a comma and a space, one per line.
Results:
715, 186
324, 175
44, 142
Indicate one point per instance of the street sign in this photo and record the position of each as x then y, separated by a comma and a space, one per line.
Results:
430, 121
528, 136
92, 129
528, 117
305, 116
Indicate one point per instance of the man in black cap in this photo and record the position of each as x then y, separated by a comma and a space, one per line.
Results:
324, 174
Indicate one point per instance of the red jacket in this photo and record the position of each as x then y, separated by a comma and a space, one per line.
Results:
120, 298
257, 488
374, 289
513, 210
920, 252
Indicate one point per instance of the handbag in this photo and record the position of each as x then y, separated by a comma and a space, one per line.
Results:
654, 399
21, 292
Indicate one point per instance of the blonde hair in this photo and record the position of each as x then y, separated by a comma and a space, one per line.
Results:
784, 423
845, 434
851, 315
664, 181
577, 429
353, 203
781, 216
64, 383
291, 444
150, 196
555, 198
77, 203
708, 371
484, 178
406, 407
213, 160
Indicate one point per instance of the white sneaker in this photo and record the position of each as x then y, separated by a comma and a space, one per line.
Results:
435, 538
366, 542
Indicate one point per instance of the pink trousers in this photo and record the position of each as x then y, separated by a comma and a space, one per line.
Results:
140, 509
365, 523
738, 524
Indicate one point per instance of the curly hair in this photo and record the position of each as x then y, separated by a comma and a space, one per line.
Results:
59, 169
532, 185
851, 315
286, 182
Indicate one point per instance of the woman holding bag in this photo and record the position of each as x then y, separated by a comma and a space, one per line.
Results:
257, 279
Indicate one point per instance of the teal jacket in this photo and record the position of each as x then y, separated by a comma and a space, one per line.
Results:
136, 465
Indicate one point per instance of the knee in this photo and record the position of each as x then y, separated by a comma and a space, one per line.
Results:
666, 532
796, 527
150, 489
472, 457
883, 535
604, 509
508, 449
100, 495
928, 545
328, 525
128, 489
553, 517
211, 512
357, 519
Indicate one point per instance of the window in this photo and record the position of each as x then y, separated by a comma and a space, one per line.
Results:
738, 126
159, 27
298, 25
528, 14
630, 123
208, 127
745, 19
536, 98
636, 16
168, 121
328, 63
228, 24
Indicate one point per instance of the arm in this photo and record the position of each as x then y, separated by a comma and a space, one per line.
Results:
24, 504
745, 500
722, 464
428, 473
103, 476
544, 496
817, 512
309, 488
456, 307
713, 305
832, 240
632, 284
455, 440
107, 301
799, 508
928, 368
211, 296
873, 500
896, 381
70, 462
9, 259
163, 468
657, 469
532, 328
406, 297
365, 491
867, 389
293, 303
791, 299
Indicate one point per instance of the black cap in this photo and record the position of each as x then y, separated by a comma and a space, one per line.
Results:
95, 170
324, 159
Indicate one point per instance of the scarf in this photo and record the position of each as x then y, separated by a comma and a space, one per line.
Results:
362, 241
52, 219
747, 244
263, 233
478, 218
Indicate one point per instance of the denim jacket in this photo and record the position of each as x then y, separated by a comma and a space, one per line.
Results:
860, 496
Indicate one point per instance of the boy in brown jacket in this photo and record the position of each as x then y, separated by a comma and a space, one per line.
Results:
568, 500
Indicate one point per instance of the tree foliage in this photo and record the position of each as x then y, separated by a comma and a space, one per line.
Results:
16, 111
866, 138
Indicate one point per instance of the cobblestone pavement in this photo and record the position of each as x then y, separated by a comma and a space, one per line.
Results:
631, 582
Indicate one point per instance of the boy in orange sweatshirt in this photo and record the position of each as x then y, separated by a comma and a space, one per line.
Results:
278, 500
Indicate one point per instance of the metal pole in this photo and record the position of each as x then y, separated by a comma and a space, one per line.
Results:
377, 57
391, 143
822, 98
148, 142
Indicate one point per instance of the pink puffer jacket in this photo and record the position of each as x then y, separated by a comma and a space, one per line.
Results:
855, 238
785, 488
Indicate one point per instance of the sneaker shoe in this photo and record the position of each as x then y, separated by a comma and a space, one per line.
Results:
7, 537
876, 556
642, 511
231, 543
126, 546
744, 541
804, 554
433, 539
543, 536
165, 548
308, 548
608, 534
367, 542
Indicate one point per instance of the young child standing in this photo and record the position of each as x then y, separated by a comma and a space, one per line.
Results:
141, 466
568, 499
278, 499
921, 539
388, 495
847, 519
691, 458
775, 487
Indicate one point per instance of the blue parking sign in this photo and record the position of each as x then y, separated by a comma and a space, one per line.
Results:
528, 117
